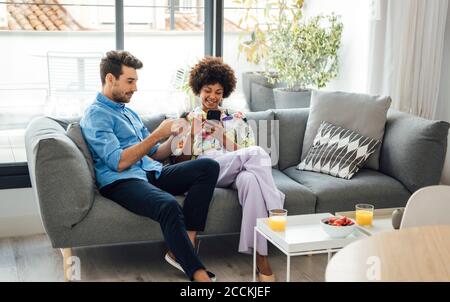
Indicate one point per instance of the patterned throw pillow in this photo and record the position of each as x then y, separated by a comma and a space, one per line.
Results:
338, 151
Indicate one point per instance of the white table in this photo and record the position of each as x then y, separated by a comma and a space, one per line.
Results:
303, 236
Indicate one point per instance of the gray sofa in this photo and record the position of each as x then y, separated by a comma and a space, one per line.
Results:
75, 214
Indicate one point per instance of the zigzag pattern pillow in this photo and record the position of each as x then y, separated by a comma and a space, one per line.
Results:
338, 151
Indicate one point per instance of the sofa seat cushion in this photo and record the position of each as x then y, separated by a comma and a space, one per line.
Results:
299, 199
114, 224
336, 194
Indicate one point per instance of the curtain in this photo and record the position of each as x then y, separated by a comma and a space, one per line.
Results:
406, 52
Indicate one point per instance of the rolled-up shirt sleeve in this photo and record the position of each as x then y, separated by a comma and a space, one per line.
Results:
103, 142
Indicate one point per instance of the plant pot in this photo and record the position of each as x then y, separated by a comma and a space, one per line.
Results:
286, 99
258, 92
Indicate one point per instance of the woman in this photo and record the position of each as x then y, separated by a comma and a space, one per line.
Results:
231, 143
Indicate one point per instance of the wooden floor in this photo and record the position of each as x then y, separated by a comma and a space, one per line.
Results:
33, 259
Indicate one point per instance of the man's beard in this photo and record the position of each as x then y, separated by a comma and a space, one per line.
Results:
121, 98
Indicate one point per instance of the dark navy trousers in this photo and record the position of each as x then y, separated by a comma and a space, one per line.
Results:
155, 199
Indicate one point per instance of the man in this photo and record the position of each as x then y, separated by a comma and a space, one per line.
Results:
127, 160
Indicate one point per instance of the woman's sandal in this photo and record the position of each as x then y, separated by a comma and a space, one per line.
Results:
265, 278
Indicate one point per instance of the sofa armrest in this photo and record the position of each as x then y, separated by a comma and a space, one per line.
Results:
59, 176
413, 150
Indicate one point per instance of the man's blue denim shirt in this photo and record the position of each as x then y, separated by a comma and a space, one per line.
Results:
109, 128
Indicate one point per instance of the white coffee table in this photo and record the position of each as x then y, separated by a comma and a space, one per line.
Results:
303, 236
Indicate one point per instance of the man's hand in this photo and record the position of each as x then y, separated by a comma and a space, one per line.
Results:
181, 127
171, 127
164, 130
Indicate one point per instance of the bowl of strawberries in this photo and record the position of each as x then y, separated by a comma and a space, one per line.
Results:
338, 227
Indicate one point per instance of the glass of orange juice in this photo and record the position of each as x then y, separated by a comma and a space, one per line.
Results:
277, 219
364, 214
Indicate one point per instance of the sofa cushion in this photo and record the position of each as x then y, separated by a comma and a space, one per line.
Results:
336, 194
114, 224
414, 150
291, 125
265, 130
299, 199
152, 121
362, 113
225, 213
60, 174
75, 134
338, 151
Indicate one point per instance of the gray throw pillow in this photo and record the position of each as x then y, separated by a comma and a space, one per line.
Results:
75, 134
362, 113
338, 151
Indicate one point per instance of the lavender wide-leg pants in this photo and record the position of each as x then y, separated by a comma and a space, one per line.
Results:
249, 170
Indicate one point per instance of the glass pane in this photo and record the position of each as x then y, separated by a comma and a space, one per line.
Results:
53, 49
241, 19
53, 15
168, 39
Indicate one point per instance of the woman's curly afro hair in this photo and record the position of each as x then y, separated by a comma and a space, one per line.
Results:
210, 71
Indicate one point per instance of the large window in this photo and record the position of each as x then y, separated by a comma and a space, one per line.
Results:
51, 50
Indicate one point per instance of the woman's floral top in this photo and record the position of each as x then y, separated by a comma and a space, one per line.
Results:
236, 129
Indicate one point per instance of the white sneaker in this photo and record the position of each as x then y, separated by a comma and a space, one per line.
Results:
176, 265
172, 262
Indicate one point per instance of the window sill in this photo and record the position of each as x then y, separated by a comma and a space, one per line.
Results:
14, 176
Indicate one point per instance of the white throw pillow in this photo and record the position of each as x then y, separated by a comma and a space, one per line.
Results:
365, 114
338, 151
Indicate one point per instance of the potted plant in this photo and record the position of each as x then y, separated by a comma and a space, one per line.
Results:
253, 43
304, 54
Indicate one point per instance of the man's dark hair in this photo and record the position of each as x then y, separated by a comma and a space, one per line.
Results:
113, 61
212, 70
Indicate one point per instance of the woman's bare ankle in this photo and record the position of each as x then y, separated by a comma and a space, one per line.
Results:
262, 262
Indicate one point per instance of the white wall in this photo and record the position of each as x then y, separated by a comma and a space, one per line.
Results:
443, 108
354, 51
19, 214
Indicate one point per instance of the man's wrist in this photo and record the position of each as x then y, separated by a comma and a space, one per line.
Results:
155, 136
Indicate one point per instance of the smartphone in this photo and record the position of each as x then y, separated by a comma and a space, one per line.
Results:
213, 115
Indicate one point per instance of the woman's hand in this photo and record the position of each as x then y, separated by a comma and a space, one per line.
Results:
214, 128
217, 130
